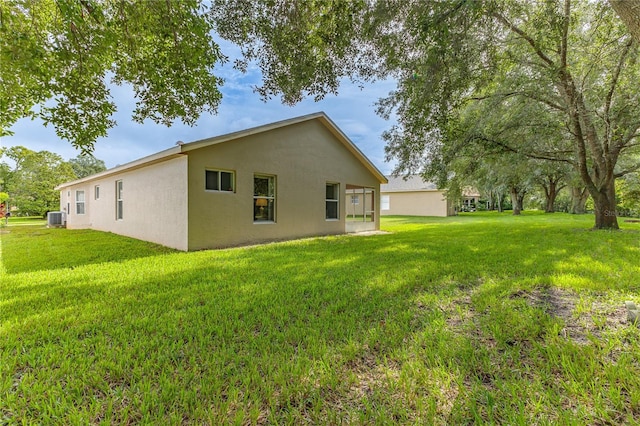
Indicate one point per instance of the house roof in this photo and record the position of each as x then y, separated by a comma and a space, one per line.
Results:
412, 183
184, 148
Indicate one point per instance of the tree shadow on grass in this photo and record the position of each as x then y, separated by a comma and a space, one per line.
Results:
251, 325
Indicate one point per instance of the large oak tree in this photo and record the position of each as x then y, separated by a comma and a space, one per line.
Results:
573, 61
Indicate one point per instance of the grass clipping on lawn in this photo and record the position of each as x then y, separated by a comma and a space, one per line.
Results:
477, 318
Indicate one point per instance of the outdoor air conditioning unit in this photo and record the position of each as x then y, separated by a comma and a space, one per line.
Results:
55, 219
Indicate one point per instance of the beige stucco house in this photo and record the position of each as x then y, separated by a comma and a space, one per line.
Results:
279, 181
413, 197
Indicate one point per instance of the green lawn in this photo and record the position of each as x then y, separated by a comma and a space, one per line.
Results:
19, 221
481, 318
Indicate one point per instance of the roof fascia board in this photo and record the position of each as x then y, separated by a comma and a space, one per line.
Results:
335, 130
133, 165
411, 190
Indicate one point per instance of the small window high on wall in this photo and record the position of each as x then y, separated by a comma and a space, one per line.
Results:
219, 180
332, 201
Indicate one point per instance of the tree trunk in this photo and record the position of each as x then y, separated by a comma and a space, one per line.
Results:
629, 12
516, 205
604, 202
551, 200
550, 194
520, 199
499, 203
579, 197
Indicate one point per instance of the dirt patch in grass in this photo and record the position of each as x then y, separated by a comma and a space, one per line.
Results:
370, 375
592, 320
583, 317
458, 312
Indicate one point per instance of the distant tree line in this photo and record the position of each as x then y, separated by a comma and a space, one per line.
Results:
505, 183
28, 178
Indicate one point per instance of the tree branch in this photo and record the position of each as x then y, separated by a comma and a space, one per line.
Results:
91, 10
632, 134
629, 13
631, 145
565, 37
504, 146
522, 93
525, 36
627, 171
612, 88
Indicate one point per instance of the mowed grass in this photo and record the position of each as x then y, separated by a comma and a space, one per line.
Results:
481, 318
29, 220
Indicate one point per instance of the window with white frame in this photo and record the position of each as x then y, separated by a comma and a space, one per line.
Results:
264, 198
384, 202
79, 202
219, 180
119, 200
331, 201
355, 199
96, 192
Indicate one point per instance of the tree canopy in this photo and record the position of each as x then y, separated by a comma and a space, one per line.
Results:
84, 165
550, 80
59, 57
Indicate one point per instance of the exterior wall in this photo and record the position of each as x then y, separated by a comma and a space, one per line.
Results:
303, 157
154, 204
417, 203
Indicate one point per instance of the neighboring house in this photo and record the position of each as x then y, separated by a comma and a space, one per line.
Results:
279, 181
413, 197
470, 200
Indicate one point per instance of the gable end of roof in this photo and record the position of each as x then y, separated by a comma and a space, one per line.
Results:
184, 148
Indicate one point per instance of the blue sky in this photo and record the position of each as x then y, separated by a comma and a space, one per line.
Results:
352, 110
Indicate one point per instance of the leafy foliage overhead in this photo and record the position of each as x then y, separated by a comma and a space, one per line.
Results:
57, 58
554, 80
303, 48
